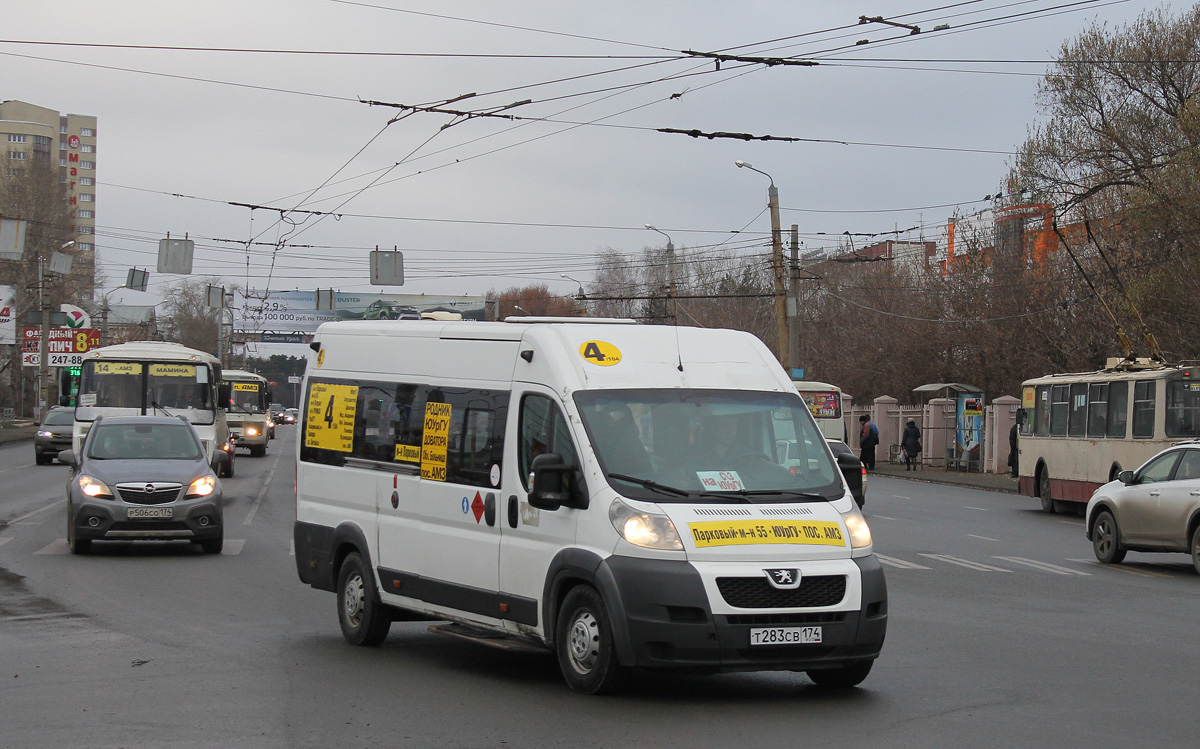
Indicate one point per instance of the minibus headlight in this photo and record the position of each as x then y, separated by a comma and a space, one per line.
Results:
94, 487
860, 532
650, 530
202, 487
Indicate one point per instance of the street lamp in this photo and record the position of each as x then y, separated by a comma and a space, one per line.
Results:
781, 321
579, 294
670, 271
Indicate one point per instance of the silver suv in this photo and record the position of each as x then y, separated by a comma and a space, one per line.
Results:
1155, 508
143, 477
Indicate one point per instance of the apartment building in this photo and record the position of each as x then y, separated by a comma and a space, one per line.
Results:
28, 134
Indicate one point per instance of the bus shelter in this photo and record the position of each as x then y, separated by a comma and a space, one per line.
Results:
956, 423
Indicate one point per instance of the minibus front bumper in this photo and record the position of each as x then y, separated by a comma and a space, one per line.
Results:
662, 618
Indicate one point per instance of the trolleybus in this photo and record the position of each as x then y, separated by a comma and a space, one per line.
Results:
1082, 429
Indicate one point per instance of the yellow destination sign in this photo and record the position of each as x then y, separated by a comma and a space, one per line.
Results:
329, 423
251, 386
117, 368
435, 441
408, 453
747, 532
173, 370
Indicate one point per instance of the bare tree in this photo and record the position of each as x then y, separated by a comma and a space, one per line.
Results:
189, 319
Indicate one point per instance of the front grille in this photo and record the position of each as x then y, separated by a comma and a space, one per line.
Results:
757, 593
136, 494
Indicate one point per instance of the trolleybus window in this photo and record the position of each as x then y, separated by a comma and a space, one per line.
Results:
1077, 420
1143, 408
1059, 403
1118, 409
1183, 409
1097, 418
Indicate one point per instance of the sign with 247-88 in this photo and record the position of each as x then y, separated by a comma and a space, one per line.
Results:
65, 346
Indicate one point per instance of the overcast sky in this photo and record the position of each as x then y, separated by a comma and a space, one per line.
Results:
493, 203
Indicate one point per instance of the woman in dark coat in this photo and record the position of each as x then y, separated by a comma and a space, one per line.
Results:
910, 442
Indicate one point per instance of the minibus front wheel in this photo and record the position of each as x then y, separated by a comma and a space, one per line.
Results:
584, 644
360, 612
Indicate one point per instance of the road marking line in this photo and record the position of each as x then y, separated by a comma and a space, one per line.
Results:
5, 540
1119, 568
985, 538
292, 548
262, 492
900, 496
232, 547
1072, 522
965, 563
26, 617
981, 509
893, 562
43, 509
1045, 566
882, 517
27, 465
58, 546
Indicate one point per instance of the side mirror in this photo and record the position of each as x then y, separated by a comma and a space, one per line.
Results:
551, 485
221, 457
1125, 477
224, 394
68, 457
851, 468
270, 396
64, 400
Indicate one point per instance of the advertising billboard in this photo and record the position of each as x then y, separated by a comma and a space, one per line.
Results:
296, 311
8, 315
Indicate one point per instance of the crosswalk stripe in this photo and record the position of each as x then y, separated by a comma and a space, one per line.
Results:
58, 546
893, 562
965, 563
232, 547
292, 548
1120, 568
1045, 566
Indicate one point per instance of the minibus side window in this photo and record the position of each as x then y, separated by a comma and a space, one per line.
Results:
543, 430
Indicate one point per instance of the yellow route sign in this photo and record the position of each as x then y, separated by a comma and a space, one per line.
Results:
744, 532
329, 423
435, 441
117, 368
251, 386
173, 370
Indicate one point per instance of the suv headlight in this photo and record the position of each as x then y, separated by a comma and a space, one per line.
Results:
44, 433
202, 487
94, 488
650, 530
860, 532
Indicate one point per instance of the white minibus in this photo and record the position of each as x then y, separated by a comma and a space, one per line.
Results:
606, 490
825, 402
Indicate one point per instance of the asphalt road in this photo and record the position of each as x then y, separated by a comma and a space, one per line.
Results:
1003, 632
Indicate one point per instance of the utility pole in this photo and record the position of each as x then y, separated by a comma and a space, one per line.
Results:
671, 289
43, 404
796, 320
781, 324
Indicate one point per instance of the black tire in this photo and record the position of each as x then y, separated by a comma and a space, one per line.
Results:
841, 678
258, 451
1195, 547
42, 459
1044, 492
1106, 539
584, 645
213, 545
227, 467
360, 612
77, 545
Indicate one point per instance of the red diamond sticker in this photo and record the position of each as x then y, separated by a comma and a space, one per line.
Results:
477, 507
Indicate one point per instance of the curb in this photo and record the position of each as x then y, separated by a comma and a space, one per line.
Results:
20, 434
947, 482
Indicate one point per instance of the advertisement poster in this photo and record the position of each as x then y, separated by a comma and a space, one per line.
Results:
8, 315
969, 435
296, 311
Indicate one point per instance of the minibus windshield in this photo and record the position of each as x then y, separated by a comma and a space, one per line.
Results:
709, 445
120, 388
246, 398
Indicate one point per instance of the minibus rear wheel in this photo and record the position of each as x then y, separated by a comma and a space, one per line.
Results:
360, 612
584, 644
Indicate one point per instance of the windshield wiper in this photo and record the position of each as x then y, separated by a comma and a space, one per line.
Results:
651, 485
782, 493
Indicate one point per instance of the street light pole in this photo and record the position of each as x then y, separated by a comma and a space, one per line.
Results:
44, 383
781, 326
671, 274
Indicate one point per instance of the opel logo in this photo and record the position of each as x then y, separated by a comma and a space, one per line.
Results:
149, 489
783, 579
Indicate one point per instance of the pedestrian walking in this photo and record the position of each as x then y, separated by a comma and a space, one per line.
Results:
1013, 458
910, 443
868, 438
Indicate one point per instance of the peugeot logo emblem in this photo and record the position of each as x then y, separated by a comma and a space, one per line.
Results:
149, 489
787, 579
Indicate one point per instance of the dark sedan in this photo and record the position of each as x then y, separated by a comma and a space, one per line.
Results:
54, 435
